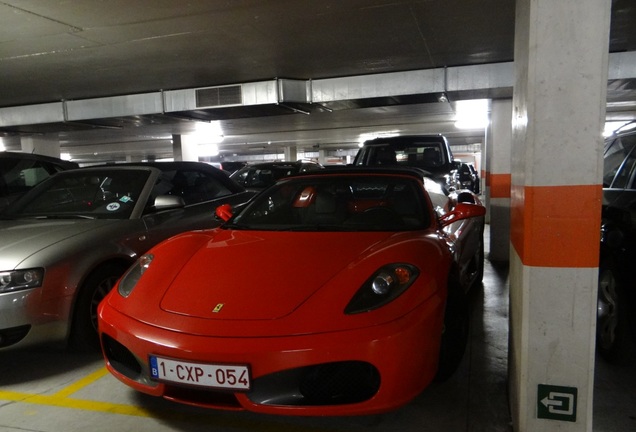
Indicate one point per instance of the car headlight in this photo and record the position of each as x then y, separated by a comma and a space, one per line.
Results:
131, 277
14, 280
386, 284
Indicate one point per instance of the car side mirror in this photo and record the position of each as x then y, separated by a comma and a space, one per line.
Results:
224, 212
462, 211
166, 202
466, 197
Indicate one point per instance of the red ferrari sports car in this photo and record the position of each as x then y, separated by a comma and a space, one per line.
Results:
335, 292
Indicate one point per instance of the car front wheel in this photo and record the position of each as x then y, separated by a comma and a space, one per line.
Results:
455, 332
612, 329
84, 335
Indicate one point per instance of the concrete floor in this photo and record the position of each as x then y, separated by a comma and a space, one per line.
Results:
54, 391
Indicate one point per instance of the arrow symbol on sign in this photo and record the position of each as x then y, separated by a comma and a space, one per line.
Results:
552, 404
548, 403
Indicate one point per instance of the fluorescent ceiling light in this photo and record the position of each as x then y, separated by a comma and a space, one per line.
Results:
471, 114
612, 126
208, 149
207, 137
208, 133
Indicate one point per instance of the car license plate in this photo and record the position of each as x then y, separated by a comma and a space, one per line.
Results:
221, 376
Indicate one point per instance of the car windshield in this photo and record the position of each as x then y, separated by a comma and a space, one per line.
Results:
338, 203
619, 161
426, 155
263, 176
92, 194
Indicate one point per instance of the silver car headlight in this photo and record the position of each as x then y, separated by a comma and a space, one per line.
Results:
131, 277
14, 280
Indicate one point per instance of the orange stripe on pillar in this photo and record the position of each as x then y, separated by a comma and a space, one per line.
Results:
556, 226
500, 185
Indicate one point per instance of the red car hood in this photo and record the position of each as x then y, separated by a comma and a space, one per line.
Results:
244, 275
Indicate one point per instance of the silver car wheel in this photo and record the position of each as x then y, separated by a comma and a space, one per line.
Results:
84, 335
607, 309
100, 292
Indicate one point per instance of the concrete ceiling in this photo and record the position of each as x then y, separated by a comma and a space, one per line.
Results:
66, 55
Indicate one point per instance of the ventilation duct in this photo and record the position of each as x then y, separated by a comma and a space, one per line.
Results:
261, 93
224, 96
32, 114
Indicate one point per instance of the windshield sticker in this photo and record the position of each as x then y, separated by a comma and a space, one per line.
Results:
113, 206
125, 199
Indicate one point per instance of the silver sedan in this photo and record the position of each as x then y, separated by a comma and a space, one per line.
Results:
65, 243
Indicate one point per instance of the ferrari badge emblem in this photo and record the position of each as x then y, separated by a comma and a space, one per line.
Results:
218, 308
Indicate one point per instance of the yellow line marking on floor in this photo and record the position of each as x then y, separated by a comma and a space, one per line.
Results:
220, 421
60, 399
87, 380
66, 402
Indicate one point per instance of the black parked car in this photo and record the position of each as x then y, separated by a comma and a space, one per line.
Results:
231, 167
616, 325
431, 153
468, 177
262, 175
19, 172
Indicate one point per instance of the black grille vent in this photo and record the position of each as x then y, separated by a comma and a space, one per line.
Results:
219, 96
13, 335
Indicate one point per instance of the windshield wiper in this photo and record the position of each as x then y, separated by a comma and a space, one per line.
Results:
69, 216
317, 228
234, 226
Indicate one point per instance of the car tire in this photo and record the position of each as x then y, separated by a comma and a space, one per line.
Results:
84, 336
479, 276
613, 336
455, 332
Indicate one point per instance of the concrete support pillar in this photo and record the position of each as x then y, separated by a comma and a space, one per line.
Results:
322, 156
498, 178
484, 170
176, 147
561, 62
291, 154
46, 145
185, 148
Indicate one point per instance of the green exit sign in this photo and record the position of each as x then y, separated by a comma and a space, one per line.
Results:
557, 402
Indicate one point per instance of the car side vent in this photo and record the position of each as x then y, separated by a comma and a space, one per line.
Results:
219, 96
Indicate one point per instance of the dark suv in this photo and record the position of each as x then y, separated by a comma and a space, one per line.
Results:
262, 175
468, 177
616, 326
429, 152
